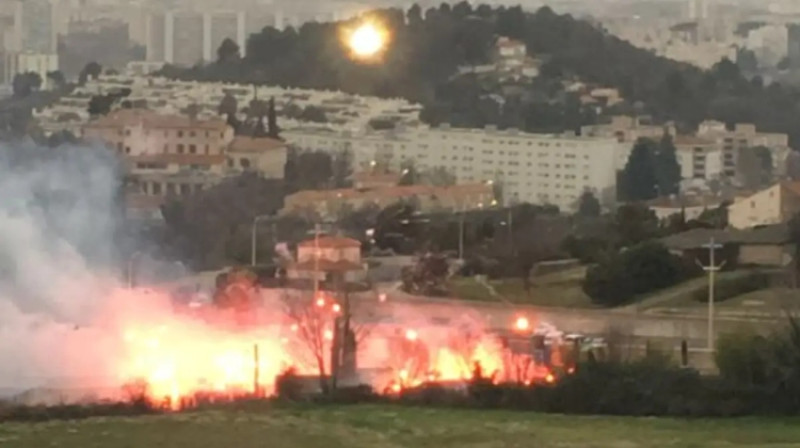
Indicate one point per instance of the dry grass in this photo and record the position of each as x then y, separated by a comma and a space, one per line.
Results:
383, 426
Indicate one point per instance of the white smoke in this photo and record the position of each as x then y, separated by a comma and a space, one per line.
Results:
58, 217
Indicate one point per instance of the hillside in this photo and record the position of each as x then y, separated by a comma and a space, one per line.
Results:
428, 47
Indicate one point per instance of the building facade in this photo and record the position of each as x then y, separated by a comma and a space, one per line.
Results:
426, 198
534, 168
773, 205
186, 37
18, 63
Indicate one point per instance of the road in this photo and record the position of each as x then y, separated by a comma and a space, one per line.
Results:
629, 323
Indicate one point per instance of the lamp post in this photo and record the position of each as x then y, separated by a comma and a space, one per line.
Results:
253, 236
712, 269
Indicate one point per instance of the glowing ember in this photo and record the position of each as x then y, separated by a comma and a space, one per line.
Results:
321, 302
522, 324
411, 335
336, 308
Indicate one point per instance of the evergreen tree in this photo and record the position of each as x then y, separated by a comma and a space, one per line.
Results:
639, 178
588, 205
668, 171
272, 120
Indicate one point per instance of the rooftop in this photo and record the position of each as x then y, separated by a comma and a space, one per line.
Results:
180, 159
153, 120
244, 144
330, 242
696, 238
396, 191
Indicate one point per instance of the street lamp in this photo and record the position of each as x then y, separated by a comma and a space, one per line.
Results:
253, 235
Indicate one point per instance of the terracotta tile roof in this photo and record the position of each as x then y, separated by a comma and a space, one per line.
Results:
330, 242
180, 159
150, 119
255, 144
392, 192
792, 187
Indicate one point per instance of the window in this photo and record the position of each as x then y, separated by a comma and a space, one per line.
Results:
191, 134
207, 148
207, 135
180, 148
156, 188
127, 150
180, 134
192, 149
128, 132
185, 189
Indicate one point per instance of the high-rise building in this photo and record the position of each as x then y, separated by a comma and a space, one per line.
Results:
220, 26
34, 26
793, 47
188, 38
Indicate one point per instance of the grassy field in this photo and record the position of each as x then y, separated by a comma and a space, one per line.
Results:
559, 294
377, 427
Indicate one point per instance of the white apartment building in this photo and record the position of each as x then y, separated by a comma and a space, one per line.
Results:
534, 168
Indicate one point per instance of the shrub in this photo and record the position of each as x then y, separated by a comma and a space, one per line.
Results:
734, 287
288, 386
644, 268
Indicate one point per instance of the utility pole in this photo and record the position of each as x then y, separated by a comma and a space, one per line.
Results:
316, 261
712, 269
253, 236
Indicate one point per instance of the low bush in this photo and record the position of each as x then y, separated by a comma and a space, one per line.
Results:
734, 287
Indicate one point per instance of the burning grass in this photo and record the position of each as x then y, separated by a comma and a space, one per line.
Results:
264, 424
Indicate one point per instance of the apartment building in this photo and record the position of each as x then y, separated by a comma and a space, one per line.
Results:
266, 156
744, 135
626, 128
139, 132
534, 168
427, 198
699, 158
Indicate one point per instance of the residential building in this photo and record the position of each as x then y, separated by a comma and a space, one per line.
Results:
372, 180
769, 246
691, 206
18, 63
773, 205
267, 156
744, 135
139, 132
223, 25
327, 256
628, 129
186, 37
427, 198
34, 29
699, 158
534, 168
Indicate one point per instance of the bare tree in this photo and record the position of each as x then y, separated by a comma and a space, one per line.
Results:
312, 322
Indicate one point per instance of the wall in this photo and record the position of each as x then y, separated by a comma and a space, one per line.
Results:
761, 208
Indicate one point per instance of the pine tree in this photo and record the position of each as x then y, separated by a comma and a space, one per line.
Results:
639, 180
668, 171
272, 120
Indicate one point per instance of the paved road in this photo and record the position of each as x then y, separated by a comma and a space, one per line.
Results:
499, 316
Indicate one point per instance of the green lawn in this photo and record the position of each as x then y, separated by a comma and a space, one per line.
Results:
560, 290
377, 427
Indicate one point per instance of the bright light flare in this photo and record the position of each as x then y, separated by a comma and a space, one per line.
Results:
367, 40
522, 324
411, 335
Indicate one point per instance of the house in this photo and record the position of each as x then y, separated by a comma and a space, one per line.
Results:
768, 246
692, 206
772, 205
327, 257
265, 155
